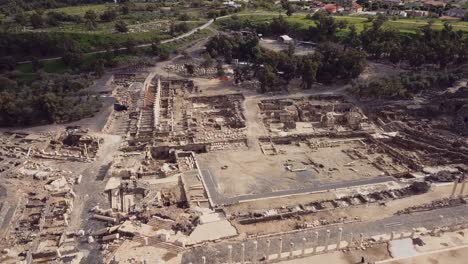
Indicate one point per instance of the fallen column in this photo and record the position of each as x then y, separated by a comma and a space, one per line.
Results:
105, 218
110, 237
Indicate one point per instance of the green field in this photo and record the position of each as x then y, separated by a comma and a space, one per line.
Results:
407, 25
82, 9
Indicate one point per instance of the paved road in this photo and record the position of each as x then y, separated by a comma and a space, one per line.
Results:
217, 253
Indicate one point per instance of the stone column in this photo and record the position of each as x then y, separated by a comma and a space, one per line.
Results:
455, 183
230, 254
327, 241
291, 249
351, 238
203, 259
268, 250
340, 236
86, 151
462, 190
255, 252
280, 247
361, 241
316, 241
146, 240
392, 236
304, 241
242, 253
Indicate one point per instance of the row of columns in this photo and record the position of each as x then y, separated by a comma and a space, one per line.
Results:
292, 246
463, 181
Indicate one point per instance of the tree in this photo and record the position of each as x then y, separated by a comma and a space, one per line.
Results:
125, 9
90, 19
99, 68
130, 45
36, 64
21, 19
219, 68
36, 20
156, 48
7, 63
309, 66
184, 17
72, 56
291, 49
327, 27
108, 15
121, 26
207, 62
190, 68
164, 52
352, 39
180, 28
266, 76
290, 10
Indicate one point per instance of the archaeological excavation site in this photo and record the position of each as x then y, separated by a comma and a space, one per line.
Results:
198, 170
186, 172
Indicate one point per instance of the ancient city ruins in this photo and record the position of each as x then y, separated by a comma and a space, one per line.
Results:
188, 172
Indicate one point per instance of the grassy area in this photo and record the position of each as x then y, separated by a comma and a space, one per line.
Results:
82, 9
407, 25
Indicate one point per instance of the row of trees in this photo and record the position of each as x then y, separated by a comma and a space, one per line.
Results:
54, 18
427, 46
9, 7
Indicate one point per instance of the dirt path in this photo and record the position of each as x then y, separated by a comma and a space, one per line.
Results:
255, 127
90, 192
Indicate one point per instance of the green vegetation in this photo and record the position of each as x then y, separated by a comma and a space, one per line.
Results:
333, 62
45, 99
113, 59
81, 9
303, 22
403, 87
